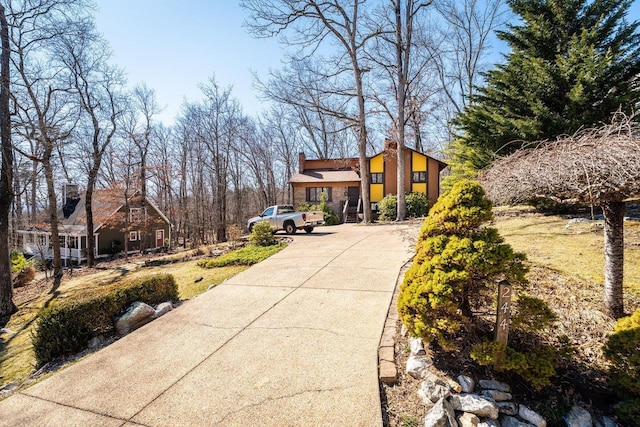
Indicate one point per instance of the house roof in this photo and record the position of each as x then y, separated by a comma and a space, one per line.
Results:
320, 176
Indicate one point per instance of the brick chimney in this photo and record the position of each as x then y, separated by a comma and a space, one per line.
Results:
301, 161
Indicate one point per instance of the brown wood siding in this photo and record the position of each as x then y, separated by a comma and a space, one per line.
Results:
112, 231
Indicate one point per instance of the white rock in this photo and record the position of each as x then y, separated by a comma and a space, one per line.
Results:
416, 346
163, 308
578, 417
468, 420
488, 423
467, 383
441, 415
531, 416
136, 315
417, 365
403, 330
431, 391
508, 421
475, 404
494, 385
498, 396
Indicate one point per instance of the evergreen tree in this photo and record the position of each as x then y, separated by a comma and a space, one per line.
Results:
572, 64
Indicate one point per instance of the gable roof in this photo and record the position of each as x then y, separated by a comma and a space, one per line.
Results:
104, 203
325, 175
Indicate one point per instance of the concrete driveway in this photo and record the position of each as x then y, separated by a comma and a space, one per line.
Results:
291, 341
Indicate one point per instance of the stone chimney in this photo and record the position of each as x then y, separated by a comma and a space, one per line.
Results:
301, 161
70, 198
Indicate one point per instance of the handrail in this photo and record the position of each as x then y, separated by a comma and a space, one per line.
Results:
358, 210
345, 208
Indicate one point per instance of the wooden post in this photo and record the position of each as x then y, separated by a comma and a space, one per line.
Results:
503, 318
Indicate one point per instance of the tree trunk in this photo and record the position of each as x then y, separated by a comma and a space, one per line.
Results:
53, 211
613, 258
401, 67
7, 306
88, 206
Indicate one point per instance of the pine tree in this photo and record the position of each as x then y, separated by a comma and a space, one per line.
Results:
572, 63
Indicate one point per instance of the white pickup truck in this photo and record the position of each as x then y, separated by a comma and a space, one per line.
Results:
284, 217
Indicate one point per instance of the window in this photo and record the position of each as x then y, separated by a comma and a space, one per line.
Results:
377, 178
315, 193
419, 177
268, 212
134, 235
135, 214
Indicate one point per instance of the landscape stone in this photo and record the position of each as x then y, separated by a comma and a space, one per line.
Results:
440, 415
468, 420
453, 385
136, 315
531, 416
388, 372
578, 417
507, 408
96, 341
467, 383
417, 365
475, 404
403, 330
508, 421
498, 396
416, 346
432, 391
488, 422
494, 385
163, 308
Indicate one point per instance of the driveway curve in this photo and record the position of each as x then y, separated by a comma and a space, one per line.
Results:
291, 341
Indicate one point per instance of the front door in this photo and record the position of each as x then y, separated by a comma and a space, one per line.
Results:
354, 195
159, 238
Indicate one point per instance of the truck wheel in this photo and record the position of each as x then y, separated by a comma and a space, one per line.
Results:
308, 230
290, 228
251, 228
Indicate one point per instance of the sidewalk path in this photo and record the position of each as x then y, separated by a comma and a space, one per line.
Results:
291, 341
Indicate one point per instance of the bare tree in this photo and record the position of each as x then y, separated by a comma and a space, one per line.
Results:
96, 86
312, 22
393, 52
599, 166
7, 306
42, 95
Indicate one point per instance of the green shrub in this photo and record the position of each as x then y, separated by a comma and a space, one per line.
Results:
456, 266
388, 208
262, 234
249, 255
622, 350
67, 327
536, 366
18, 262
330, 218
629, 413
22, 270
417, 205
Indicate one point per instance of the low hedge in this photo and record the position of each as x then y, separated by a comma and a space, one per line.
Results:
67, 327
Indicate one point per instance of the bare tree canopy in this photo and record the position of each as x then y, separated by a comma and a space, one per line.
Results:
593, 166
599, 166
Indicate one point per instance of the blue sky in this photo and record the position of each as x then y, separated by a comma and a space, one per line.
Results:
173, 45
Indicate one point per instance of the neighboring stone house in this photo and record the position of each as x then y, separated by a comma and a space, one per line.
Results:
340, 179
136, 225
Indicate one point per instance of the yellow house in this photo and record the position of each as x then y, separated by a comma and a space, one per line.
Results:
340, 179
